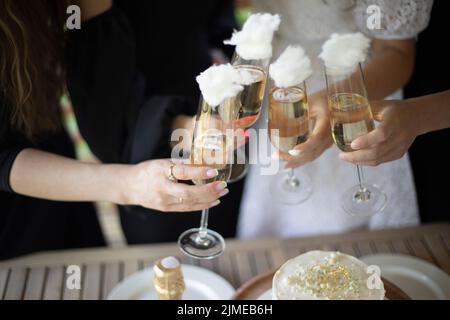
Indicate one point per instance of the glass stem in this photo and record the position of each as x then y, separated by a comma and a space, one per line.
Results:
290, 174
204, 223
364, 194
362, 188
360, 178
292, 180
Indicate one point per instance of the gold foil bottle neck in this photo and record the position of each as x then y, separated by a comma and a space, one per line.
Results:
168, 279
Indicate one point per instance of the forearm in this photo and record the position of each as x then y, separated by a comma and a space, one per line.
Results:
390, 68
401, 122
186, 123
183, 122
47, 176
92, 8
388, 71
433, 112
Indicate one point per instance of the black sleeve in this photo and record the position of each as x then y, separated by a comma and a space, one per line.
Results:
102, 82
221, 26
11, 144
152, 131
119, 122
7, 158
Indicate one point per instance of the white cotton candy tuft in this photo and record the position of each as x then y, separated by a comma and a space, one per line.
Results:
218, 83
254, 41
344, 52
291, 68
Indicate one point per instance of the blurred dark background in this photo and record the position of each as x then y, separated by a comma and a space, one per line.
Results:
430, 156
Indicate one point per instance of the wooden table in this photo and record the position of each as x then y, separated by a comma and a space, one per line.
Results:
43, 276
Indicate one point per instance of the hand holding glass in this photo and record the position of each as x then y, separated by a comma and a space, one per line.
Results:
351, 117
212, 146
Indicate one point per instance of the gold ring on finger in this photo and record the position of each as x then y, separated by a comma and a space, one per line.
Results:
171, 176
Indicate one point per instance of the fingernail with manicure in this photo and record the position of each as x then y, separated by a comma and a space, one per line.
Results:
221, 186
224, 193
216, 203
295, 153
212, 173
355, 145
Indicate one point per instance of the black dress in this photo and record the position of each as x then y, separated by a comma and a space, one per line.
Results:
102, 80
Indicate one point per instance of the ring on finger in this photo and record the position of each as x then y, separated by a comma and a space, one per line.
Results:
171, 176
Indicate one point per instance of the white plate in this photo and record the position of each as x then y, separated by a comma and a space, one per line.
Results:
266, 295
419, 279
201, 284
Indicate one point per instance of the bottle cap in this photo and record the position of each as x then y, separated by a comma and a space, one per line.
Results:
168, 279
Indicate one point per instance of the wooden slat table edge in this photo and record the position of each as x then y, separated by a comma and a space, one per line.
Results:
105, 255
108, 265
140, 252
374, 234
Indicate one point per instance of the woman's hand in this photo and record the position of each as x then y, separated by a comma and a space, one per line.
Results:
320, 138
147, 185
391, 140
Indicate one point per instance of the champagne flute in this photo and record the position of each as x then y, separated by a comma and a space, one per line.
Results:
212, 146
289, 127
249, 101
351, 117
248, 105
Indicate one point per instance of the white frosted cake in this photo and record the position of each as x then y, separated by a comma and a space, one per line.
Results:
321, 275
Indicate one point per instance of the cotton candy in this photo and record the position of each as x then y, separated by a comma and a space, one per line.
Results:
220, 82
254, 41
291, 68
345, 51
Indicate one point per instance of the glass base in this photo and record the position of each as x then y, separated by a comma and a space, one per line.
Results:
291, 191
367, 202
210, 246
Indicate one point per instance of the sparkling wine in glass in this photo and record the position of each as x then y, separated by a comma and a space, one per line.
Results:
248, 105
249, 101
212, 146
351, 117
289, 127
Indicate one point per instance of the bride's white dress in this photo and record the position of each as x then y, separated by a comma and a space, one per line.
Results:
309, 23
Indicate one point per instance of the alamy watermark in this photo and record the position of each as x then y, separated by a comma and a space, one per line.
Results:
374, 281
214, 147
374, 18
73, 277
73, 22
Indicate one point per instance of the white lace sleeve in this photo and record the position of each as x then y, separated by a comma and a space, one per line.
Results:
392, 19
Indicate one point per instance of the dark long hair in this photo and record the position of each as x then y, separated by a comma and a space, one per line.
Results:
32, 76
